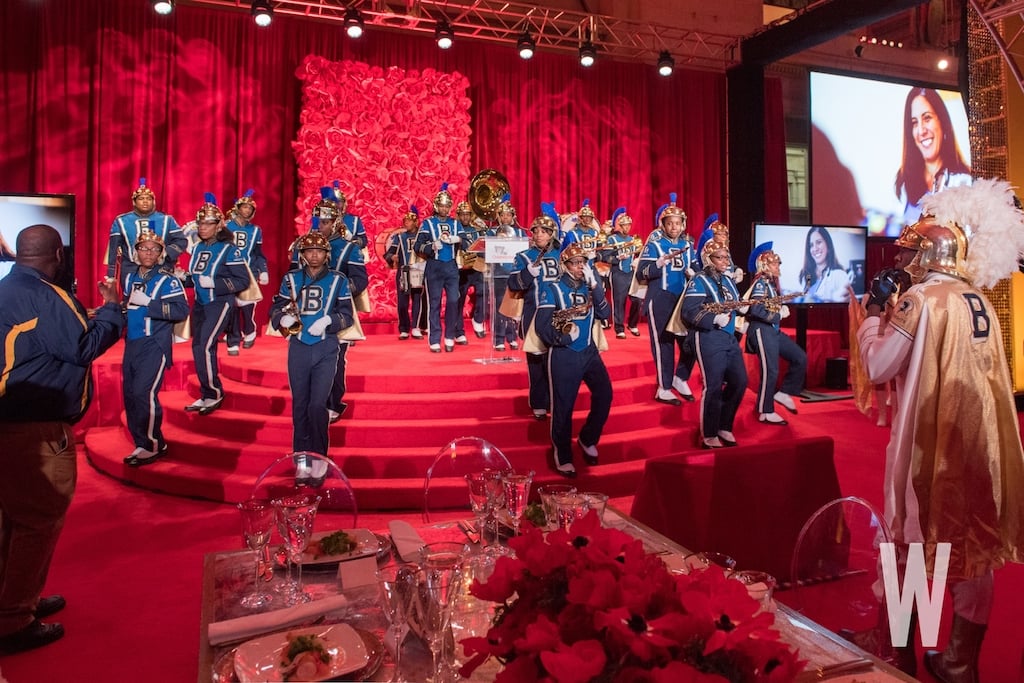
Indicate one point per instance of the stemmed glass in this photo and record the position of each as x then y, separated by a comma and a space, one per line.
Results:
495, 501
477, 482
257, 526
295, 515
397, 584
442, 572
517, 494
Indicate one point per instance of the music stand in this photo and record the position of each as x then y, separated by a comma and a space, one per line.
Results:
497, 250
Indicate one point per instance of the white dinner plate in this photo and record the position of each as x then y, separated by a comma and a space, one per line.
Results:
367, 543
259, 660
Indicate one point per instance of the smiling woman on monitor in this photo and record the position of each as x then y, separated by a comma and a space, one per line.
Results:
823, 279
932, 160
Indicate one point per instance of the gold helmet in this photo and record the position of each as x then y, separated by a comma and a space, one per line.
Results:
943, 249
339, 197
544, 223
621, 219
413, 214
143, 190
464, 207
209, 211
585, 210
717, 227
762, 258
909, 237
670, 209
326, 209
571, 251
708, 244
147, 235
314, 240
443, 201
246, 199
506, 205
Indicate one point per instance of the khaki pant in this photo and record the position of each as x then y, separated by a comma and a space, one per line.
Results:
37, 480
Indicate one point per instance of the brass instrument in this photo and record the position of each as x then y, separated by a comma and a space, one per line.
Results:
562, 320
772, 303
485, 192
292, 309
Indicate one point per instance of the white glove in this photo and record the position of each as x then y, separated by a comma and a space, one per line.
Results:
264, 279
350, 236
286, 321
737, 275
784, 311
663, 259
139, 298
451, 239
180, 274
575, 333
690, 273
437, 245
206, 281
722, 319
743, 310
534, 269
319, 325
588, 276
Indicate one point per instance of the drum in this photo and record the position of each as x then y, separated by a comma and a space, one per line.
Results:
416, 271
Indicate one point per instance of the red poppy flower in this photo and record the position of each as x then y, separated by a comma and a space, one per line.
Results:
577, 663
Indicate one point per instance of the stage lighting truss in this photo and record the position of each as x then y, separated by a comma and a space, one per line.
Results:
497, 21
262, 13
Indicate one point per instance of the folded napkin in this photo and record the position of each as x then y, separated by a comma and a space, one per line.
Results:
241, 628
406, 540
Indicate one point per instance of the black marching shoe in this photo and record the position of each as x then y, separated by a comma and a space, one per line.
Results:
48, 606
32, 636
589, 453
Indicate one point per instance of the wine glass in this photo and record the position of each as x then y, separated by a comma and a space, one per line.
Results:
495, 501
477, 482
257, 526
517, 494
295, 515
442, 572
569, 507
547, 494
397, 584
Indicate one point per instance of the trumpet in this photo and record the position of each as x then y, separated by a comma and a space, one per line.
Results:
292, 309
562, 320
772, 303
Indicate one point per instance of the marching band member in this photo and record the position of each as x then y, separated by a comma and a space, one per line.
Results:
566, 318
721, 363
315, 299
217, 272
532, 269
620, 253
154, 300
471, 275
351, 228
325, 215
767, 341
248, 237
504, 329
125, 229
408, 277
721, 232
438, 241
664, 265
585, 231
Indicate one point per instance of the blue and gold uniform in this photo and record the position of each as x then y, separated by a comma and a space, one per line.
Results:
319, 299
124, 232
471, 272
248, 237
620, 253
347, 259
408, 274
438, 241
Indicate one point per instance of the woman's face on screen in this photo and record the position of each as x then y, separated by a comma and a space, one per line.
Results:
926, 129
819, 249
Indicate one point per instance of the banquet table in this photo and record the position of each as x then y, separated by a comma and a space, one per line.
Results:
228, 575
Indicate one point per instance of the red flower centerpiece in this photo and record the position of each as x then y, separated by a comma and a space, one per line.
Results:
589, 604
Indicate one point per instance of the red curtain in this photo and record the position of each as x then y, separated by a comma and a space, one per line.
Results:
96, 95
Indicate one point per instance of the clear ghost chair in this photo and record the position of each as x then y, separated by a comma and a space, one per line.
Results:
311, 473
444, 486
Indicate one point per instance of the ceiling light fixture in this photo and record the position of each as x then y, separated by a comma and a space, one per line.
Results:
444, 34
163, 6
666, 63
262, 13
527, 45
353, 22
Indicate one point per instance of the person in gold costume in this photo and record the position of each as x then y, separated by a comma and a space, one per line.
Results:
954, 465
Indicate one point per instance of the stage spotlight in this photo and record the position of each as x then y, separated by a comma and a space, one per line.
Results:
527, 46
942, 64
666, 63
444, 34
163, 6
588, 53
262, 12
353, 22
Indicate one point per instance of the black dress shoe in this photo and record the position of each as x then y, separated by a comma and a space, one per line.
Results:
690, 398
136, 461
48, 606
32, 636
587, 457
568, 474
725, 441
669, 401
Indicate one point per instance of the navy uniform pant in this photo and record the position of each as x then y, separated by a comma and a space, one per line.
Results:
242, 324
142, 374
310, 374
338, 385
620, 282
505, 328
725, 379
664, 344
208, 324
470, 278
442, 279
770, 345
537, 372
567, 370
406, 299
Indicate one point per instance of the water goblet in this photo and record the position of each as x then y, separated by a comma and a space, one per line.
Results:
517, 494
478, 500
441, 564
547, 494
760, 586
569, 507
495, 502
706, 559
397, 585
596, 501
257, 526
295, 516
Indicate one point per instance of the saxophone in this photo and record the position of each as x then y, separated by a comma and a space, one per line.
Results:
772, 303
292, 308
562, 319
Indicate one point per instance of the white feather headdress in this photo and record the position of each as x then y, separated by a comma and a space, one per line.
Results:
993, 226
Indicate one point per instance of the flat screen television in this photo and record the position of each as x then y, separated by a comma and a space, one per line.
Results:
20, 211
818, 261
875, 147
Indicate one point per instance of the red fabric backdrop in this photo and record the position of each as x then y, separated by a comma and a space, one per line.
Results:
96, 94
